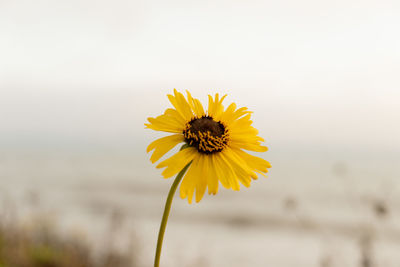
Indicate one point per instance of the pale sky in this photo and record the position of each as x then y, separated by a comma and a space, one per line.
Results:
315, 72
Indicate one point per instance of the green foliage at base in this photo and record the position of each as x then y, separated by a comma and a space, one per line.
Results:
42, 247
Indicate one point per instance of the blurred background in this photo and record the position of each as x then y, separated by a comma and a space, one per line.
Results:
78, 80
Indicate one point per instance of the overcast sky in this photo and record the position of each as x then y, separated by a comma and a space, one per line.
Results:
315, 72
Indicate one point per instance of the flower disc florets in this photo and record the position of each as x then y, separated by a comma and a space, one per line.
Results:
206, 134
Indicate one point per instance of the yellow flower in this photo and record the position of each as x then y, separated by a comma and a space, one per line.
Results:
216, 140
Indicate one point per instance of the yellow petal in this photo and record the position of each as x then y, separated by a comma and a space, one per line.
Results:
227, 116
166, 123
217, 168
258, 164
212, 177
176, 115
201, 177
215, 107
211, 106
248, 146
176, 163
194, 179
189, 182
225, 173
241, 169
196, 105
163, 145
238, 114
181, 105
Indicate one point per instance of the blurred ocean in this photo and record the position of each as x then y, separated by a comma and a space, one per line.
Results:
314, 209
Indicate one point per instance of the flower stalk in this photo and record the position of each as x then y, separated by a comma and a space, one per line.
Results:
167, 209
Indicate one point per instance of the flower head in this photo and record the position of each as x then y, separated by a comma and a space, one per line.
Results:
216, 139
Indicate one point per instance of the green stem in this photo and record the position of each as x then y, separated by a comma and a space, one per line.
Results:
166, 214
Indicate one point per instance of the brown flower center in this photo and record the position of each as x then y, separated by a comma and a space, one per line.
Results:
205, 134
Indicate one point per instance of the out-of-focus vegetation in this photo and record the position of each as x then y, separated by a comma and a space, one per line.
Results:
41, 246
